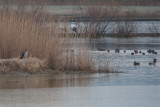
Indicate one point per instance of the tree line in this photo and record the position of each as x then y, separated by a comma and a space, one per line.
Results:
83, 2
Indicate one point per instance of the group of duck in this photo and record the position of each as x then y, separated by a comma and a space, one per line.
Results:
150, 63
150, 51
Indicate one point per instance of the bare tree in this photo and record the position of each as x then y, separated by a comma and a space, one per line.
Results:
154, 29
126, 28
96, 20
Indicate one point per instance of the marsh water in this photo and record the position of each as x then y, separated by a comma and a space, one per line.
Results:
68, 10
136, 86
140, 27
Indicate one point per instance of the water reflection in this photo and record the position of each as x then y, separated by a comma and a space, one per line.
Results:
140, 75
100, 96
51, 81
124, 43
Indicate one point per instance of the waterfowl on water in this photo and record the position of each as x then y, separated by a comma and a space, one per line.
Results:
101, 49
117, 51
140, 51
24, 54
154, 62
136, 51
149, 50
136, 63
124, 51
155, 53
143, 53
152, 51
132, 53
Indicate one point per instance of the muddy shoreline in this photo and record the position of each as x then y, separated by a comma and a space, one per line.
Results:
34, 66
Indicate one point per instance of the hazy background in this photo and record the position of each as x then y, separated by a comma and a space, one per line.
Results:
84, 2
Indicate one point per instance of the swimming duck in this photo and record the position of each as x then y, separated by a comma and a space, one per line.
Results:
117, 51
136, 51
136, 63
101, 49
154, 62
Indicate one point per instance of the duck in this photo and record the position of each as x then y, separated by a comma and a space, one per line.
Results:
132, 53
117, 51
154, 62
124, 51
101, 49
152, 51
149, 50
136, 63
136, 51
143, 53
155, 53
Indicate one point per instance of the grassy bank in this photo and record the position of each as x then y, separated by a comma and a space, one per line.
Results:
38, 66
22, 30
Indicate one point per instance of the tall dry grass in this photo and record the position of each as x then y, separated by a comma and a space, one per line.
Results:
29, 30
20, 30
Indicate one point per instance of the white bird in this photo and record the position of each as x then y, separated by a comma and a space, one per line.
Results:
74, 28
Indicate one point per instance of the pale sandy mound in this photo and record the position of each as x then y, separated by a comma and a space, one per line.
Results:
22, 65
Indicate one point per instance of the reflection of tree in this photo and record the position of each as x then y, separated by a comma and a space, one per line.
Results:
96, 43
49, 81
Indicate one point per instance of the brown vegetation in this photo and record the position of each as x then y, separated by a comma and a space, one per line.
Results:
30, 65
26, 30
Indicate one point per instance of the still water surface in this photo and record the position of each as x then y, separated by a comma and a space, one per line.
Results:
100, 96
138, 86
111, 27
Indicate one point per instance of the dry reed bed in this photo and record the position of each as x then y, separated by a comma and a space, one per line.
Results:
21, 30
15, 65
